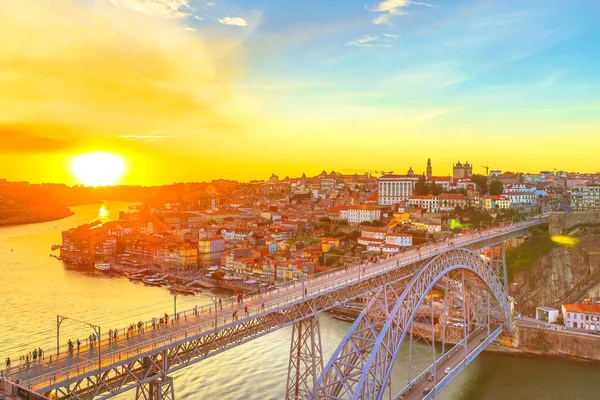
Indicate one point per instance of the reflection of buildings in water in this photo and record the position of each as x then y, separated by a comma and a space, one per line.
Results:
210, 259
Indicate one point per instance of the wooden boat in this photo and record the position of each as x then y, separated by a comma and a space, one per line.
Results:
135, 277
183, 290
103, 267
153, 281
345, 318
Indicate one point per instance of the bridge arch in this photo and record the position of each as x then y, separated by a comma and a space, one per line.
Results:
361, 365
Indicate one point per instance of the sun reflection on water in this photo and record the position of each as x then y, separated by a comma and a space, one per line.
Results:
103, 212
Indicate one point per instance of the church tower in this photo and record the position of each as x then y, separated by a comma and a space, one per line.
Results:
429, 169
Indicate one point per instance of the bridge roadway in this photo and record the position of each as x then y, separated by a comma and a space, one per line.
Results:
67, 369
454, 359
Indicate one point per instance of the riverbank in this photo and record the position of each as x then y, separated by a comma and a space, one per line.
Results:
27, 217
185, 277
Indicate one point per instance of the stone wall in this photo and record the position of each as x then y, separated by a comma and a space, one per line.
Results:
558, 342
559, 222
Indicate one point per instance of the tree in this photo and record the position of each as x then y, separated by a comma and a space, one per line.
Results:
496, 188
481, 182
421, 187
436, 189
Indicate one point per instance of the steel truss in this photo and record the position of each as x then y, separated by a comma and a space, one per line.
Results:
306, 359
360, 367
141, 370
384, 313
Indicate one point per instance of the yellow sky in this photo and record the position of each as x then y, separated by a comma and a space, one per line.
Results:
77, 77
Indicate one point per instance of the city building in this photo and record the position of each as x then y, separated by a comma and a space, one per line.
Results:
429, 202
399, 239
358, 214
546, 314
462, 171
582, 316
213, 244
449, 201
392, 189
496, 202
521, 198
585, 197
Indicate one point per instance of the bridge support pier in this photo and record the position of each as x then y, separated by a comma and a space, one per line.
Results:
306, 359
158, 389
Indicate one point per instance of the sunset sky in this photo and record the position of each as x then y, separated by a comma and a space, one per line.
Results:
193, 90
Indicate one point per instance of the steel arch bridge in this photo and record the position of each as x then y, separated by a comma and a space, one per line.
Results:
474, 283
361, 366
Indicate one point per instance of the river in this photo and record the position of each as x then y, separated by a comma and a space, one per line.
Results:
36, 287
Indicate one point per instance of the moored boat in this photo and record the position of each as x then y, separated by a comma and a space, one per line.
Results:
102, 266
345, 318
183, 290
153, 281
135, 277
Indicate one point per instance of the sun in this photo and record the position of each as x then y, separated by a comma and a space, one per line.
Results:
98, 168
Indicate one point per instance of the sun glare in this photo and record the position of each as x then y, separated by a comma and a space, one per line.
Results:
98, 168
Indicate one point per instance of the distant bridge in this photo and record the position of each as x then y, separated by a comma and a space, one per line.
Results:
360, 367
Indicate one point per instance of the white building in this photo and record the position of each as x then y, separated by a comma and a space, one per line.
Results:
429, 202
521, 198
582, 316
547, 314
519, 187
585, 197
358, 214
395, 188
399, 239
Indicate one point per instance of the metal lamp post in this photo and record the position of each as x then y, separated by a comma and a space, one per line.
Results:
97, 331
215, 301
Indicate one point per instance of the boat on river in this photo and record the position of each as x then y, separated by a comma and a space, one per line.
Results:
135, 277
155, 281
345, 318
183, 290
103, 267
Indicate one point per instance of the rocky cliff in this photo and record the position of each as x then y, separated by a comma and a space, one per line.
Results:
564, 274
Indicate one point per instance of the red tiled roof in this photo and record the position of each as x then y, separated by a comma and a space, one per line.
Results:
586, 308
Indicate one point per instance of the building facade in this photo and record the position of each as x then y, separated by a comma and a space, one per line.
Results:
392, 189
582, 316
585, 197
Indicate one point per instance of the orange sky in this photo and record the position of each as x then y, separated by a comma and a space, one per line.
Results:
182, 105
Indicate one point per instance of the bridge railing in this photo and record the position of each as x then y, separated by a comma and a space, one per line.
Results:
207, 324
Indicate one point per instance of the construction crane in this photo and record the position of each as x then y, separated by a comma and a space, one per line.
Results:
487, 169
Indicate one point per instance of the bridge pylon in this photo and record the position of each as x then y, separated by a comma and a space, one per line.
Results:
158, 389
306, 359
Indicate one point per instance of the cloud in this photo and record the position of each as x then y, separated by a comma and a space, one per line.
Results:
391, 8
210, 4
105, 72
237, 21
157, 8
373, 41
20, 137
189, 28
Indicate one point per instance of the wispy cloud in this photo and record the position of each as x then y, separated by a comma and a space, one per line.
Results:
109, 82
237, 21
210, 4
386, 40
157, 8
145, 138
189, 28
392, 8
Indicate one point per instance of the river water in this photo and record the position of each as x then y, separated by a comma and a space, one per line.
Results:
36, 287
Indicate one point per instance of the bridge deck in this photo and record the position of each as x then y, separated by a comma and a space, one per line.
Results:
46, 375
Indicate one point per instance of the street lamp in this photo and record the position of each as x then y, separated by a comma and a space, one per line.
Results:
214, 300
96, 328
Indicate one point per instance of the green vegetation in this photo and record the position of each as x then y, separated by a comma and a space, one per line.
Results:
496, 188
423, 188
480, 182
524, 257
